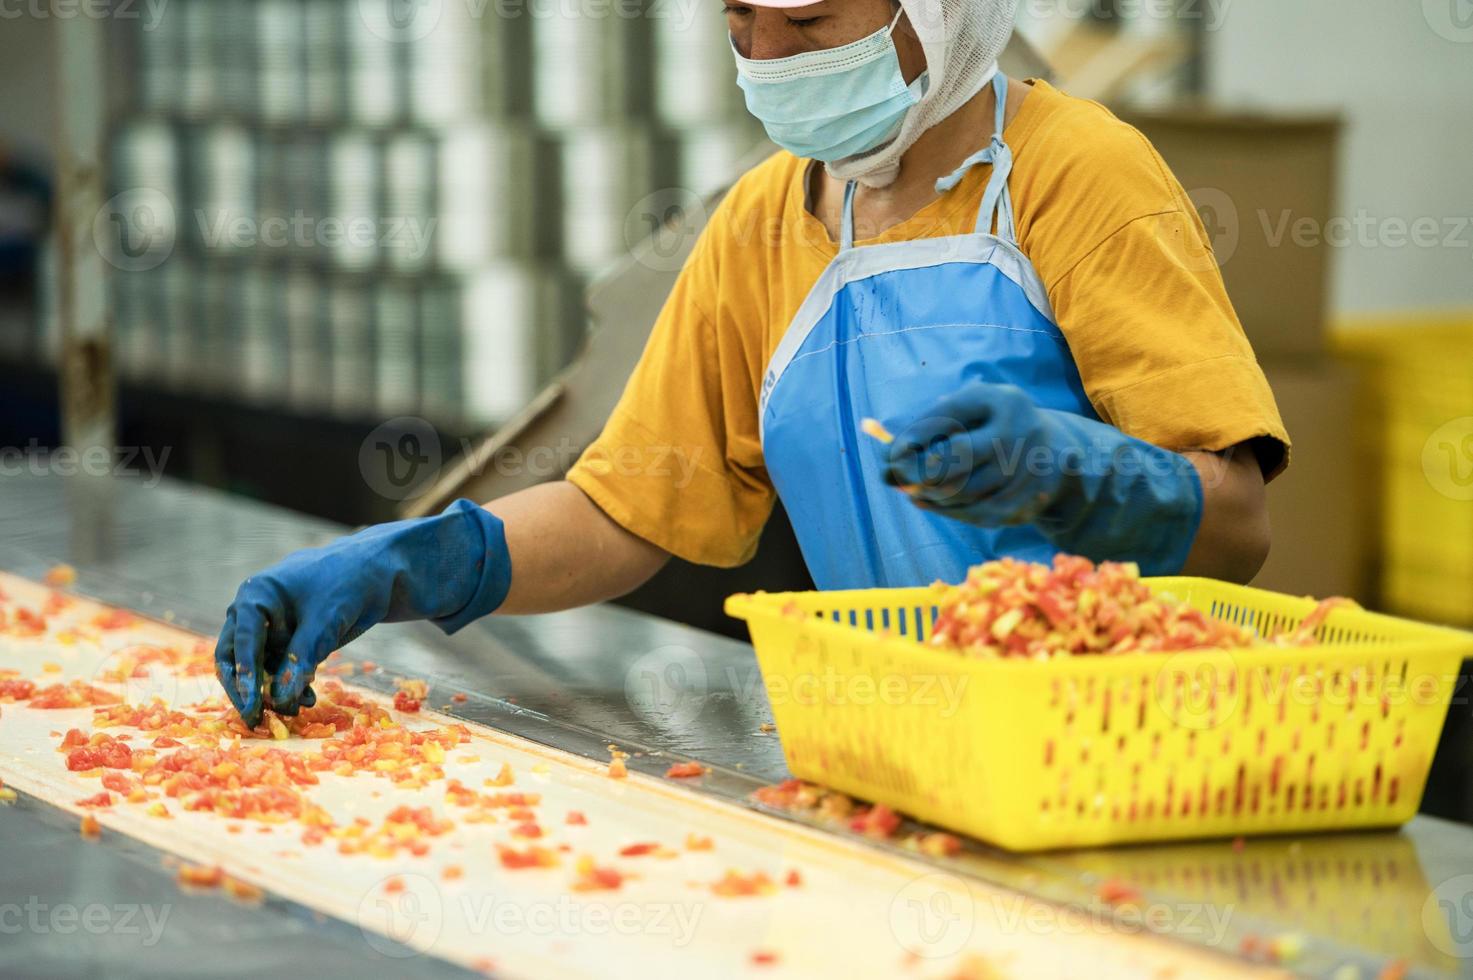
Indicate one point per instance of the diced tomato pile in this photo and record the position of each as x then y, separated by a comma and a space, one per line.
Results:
201, 758
878, 820
1011, 608
801, 797
99, 752
73, 694
1016, 609
875, 821
16, 689
405, 829
23, 622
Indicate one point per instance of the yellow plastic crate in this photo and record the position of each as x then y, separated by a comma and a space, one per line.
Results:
1417, 416
1090, 751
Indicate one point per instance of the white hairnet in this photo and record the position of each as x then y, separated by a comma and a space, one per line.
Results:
962, 40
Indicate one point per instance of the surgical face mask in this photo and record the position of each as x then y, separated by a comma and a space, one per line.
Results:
832, 104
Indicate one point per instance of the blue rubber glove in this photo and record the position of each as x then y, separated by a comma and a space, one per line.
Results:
451, 569
988, 455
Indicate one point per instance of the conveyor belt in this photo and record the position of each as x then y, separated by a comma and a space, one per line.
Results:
833, 906
565, 681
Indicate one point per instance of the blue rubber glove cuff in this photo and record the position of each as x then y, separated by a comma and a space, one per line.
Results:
493, 566
1144, 506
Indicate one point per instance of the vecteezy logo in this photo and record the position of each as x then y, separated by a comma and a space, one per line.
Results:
404, 922
667, 686
134, 230
1447, 917
932, 916
1447, 459
403, 21
1450, 19
400, 458
1224, 230
1200, 690
660, 228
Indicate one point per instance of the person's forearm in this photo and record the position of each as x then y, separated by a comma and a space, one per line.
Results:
566, 552
1233, 538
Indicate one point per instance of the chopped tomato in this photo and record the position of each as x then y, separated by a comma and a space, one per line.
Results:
13, 689
685, 770
103, 799
576, 818
1116, 892
74, 694
114, 619
876, 821
1011, 608
243, 891
201, 876
737, 885
532, 857
592, 878
106, 752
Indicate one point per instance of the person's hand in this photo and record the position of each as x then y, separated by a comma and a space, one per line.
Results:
451, 568
987, 455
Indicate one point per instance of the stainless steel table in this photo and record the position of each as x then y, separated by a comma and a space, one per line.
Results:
579, 680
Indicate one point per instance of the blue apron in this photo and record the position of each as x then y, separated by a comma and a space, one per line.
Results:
886, 331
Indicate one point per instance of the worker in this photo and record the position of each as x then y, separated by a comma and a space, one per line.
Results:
1008, 278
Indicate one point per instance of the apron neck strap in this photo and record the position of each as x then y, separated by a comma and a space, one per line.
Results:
997, 203
846, 223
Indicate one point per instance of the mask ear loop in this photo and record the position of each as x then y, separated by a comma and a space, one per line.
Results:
899, 9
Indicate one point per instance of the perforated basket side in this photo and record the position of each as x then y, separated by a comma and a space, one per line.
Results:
1097, 750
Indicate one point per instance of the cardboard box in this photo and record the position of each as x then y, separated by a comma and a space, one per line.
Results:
1318, 507
1265, 187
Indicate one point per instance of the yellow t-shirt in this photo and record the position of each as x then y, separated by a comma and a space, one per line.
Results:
1123, 255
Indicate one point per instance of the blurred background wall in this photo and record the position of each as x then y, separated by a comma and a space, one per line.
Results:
1401, 77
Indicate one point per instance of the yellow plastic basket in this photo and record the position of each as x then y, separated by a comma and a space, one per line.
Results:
1417, 422
1101, 750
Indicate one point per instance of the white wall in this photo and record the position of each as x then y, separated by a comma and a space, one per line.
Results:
1401, 74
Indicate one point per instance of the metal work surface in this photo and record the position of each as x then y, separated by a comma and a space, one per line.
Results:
579, 680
